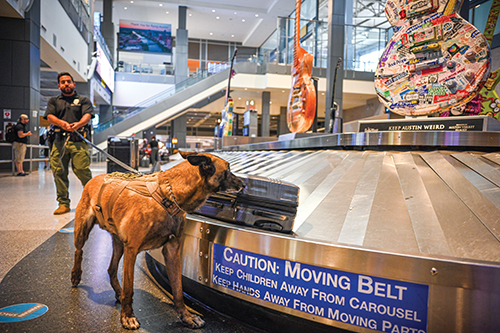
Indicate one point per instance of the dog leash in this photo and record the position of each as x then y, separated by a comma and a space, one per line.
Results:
112, 158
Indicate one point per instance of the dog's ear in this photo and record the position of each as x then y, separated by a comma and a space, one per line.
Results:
185, 154
207, 168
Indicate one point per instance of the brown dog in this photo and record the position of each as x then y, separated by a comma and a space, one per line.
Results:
147, 213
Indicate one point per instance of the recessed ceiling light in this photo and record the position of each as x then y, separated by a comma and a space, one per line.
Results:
217, 17
235, 13
232, 35
125, 8
161, 5
190, 14
246, 88
213, 10
211, 33
166, 12
131, 2
256, 15
243, 20
282, 91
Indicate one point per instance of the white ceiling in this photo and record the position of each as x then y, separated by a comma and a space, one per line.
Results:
249, 22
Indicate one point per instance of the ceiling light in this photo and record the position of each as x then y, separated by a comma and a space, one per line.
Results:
211, 33
217, 17
235, 13
232, 35
166, 12
282, 91
213, 10
256, 15
131, 2
190, 14
125, 8
243, 20
160, 5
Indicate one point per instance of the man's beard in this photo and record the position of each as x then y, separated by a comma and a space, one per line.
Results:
68, 90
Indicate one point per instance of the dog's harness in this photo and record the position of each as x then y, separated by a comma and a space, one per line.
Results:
144, 185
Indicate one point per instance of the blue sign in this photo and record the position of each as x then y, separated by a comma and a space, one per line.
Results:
361, 300
22, 312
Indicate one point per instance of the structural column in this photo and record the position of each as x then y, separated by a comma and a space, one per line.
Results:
336, 19
266, 117
20, 71
282, 125
181, 47
178, 130
107, 26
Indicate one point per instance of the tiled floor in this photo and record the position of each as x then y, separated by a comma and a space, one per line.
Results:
26, 208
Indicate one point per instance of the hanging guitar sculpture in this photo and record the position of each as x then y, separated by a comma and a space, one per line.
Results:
435, 61
302, 100
226, 125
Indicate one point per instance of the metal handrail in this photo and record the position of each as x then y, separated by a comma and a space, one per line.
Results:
30, 159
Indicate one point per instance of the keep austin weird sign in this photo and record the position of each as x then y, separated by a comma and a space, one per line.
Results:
361, 300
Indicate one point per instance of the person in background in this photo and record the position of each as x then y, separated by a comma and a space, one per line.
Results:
20, 143
68, 112
155, 157
44, 141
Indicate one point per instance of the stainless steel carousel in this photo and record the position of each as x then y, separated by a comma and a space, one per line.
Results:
395, 232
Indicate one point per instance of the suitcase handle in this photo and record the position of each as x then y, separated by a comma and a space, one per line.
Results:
269, 215
215, 204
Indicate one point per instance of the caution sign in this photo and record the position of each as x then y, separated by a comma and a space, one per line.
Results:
22, 312
361, 300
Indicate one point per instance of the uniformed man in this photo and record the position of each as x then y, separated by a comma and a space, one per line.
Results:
68, 112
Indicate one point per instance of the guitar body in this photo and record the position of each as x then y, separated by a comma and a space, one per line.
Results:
301, 108
435, 61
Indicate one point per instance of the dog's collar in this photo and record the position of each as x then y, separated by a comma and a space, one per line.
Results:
171, 204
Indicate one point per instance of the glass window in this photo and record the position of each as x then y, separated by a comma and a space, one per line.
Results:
217, 52
193, 50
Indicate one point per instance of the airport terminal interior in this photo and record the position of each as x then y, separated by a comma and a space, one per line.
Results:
363, 136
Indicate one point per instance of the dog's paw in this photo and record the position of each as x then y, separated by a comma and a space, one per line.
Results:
130, 323
76, 277
192, 321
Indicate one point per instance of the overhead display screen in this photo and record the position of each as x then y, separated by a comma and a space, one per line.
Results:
145, 37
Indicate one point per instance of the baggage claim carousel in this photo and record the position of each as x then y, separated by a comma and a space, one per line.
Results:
395, 232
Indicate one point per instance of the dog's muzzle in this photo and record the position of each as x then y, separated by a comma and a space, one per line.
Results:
231, 183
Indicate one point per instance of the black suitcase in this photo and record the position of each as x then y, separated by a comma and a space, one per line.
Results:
264, 203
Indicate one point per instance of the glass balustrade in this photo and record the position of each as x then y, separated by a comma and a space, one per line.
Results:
363, 45
212, 68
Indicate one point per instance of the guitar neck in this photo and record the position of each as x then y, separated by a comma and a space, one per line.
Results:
297, 32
